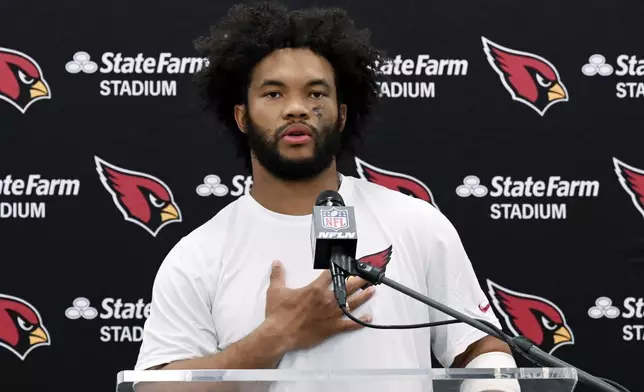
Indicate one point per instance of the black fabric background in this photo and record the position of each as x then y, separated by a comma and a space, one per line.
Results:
84, 247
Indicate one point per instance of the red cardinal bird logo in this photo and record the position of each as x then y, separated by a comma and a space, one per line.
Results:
395, 181
141, 198
632, 180
378, 260
529, 78
536, 318
21, 80
21, 327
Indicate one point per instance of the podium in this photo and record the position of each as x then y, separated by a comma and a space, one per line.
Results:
363, 380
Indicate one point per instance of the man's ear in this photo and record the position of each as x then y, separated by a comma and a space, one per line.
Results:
343, 116
240, 117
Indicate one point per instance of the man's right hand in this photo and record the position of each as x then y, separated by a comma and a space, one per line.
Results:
307, 316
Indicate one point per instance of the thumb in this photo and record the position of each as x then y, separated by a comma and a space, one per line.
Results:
277, 274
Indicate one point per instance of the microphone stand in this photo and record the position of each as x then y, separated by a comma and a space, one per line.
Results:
376, 276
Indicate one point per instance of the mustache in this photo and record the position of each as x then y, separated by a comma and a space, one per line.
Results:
280, 131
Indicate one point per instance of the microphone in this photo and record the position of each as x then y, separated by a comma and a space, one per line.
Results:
334, 240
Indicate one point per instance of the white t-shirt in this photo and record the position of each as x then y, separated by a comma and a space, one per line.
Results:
210, 291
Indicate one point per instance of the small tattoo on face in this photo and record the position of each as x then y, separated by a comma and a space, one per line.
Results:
318, 111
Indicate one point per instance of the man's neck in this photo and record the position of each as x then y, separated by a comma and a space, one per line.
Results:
290, 198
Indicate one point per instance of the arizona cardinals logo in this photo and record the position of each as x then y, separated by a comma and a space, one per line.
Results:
21, 328
378, 260
142, 198
529, 78
395, 181
536, 318
21, 80
632, 180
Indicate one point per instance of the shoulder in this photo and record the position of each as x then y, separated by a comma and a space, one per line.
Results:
216, 227
199, 249
407, 214
407, 208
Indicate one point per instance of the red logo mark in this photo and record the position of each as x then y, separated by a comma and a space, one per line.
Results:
530, 79
536, 318
402, 183
142, 199
21, 80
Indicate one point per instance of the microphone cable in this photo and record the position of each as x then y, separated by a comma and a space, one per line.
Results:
505, 337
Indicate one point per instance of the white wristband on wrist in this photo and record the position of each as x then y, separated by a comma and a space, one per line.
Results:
494, 359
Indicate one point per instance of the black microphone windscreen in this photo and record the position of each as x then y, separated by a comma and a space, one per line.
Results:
329, 195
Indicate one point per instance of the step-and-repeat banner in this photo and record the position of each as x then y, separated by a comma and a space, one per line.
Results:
523, 123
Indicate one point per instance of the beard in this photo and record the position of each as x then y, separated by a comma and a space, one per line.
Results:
327, 145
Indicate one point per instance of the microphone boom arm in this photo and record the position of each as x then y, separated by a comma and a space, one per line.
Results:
352, 267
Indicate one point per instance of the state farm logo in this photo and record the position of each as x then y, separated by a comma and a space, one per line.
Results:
165, 63
213, 186
597, 66
32, 187
603, 308
632, 308
626, 66
22, 82
117, 317
81, 63
471, 187
543, 191
421, 67
80, 309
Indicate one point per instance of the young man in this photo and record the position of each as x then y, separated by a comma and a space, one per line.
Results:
294, 89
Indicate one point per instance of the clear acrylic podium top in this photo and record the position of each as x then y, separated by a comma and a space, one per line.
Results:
363, 380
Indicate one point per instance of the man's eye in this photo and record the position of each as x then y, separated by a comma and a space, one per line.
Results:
318, 94
272, 94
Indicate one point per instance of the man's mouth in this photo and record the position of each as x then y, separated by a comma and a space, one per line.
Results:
297, 134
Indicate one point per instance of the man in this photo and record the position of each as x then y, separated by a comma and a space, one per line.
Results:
239, 292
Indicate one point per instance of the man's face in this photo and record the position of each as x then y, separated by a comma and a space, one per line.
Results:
292, 119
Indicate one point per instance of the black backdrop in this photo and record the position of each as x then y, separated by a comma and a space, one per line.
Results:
83, 249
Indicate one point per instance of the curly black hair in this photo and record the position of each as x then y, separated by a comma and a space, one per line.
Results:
249, 32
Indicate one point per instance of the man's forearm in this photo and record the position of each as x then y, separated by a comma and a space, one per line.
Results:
261, 349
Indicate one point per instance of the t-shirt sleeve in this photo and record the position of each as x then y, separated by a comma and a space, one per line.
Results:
452, 281
180, 324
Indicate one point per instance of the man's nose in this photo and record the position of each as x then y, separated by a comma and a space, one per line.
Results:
296, 109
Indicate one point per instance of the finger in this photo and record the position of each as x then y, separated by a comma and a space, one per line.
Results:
324, 280
354, 283
350, 325
277, 274
356, 300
